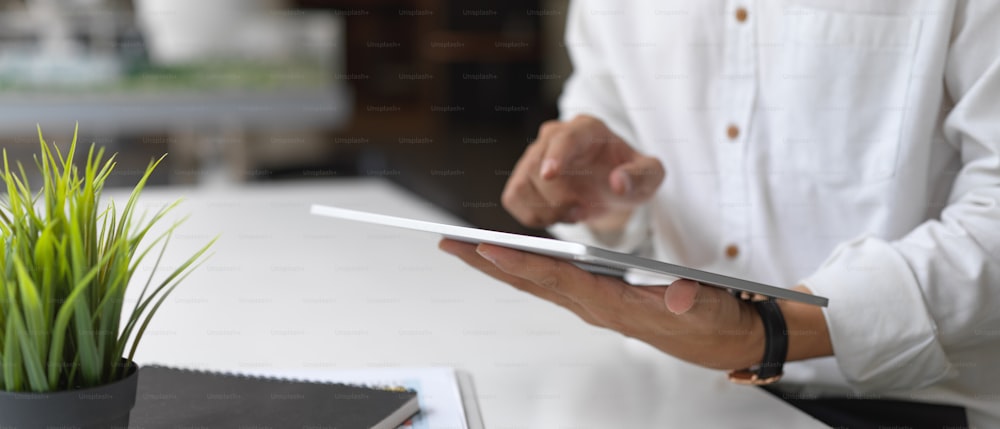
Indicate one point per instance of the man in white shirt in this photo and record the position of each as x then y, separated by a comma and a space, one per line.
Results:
847, 148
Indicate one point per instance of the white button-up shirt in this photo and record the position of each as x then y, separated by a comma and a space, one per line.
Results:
852, 146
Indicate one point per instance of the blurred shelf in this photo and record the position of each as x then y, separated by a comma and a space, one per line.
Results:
156, 111
156, 98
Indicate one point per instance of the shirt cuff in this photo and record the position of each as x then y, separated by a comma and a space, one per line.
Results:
883, 337
634, 234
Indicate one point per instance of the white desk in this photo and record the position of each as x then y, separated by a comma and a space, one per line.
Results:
286, 290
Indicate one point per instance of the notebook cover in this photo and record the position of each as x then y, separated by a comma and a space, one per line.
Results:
172, 398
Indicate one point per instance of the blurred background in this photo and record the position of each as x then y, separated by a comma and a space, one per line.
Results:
439, 96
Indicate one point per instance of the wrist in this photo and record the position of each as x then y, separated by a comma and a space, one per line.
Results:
808, 335
793, 331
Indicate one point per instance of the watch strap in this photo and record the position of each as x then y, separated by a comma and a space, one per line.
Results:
775, 345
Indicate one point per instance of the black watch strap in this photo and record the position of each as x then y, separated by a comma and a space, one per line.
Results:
775, 345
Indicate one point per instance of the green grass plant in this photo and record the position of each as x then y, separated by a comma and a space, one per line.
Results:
64, 270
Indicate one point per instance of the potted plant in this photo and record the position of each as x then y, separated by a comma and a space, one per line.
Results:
66, 347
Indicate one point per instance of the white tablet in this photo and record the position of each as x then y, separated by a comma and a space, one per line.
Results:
605, 261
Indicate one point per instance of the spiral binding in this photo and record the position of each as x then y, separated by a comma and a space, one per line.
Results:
388, 388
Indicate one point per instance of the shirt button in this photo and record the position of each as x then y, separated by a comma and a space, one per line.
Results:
732, 251
732, 132
741, 14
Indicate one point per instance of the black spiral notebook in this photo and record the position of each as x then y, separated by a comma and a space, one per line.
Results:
177, 398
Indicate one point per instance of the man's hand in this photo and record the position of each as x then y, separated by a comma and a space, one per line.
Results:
703, 325
579, 171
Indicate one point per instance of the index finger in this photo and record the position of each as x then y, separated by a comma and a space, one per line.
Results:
563, 146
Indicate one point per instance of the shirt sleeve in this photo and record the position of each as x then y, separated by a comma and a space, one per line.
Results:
591, 90
898, 308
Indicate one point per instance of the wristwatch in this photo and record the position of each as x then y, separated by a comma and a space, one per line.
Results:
775, 343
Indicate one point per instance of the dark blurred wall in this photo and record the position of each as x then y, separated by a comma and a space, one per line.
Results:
448, 93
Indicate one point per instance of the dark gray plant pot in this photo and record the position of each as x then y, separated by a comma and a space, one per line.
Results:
101, 407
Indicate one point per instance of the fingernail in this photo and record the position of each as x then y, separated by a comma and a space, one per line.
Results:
548, 167
486, 255
626, 182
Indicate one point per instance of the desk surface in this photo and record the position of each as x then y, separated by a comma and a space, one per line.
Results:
286, 290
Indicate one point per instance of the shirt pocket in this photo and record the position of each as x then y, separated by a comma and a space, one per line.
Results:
845, 77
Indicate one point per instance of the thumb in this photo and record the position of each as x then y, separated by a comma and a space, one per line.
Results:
637, 179
682, 295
